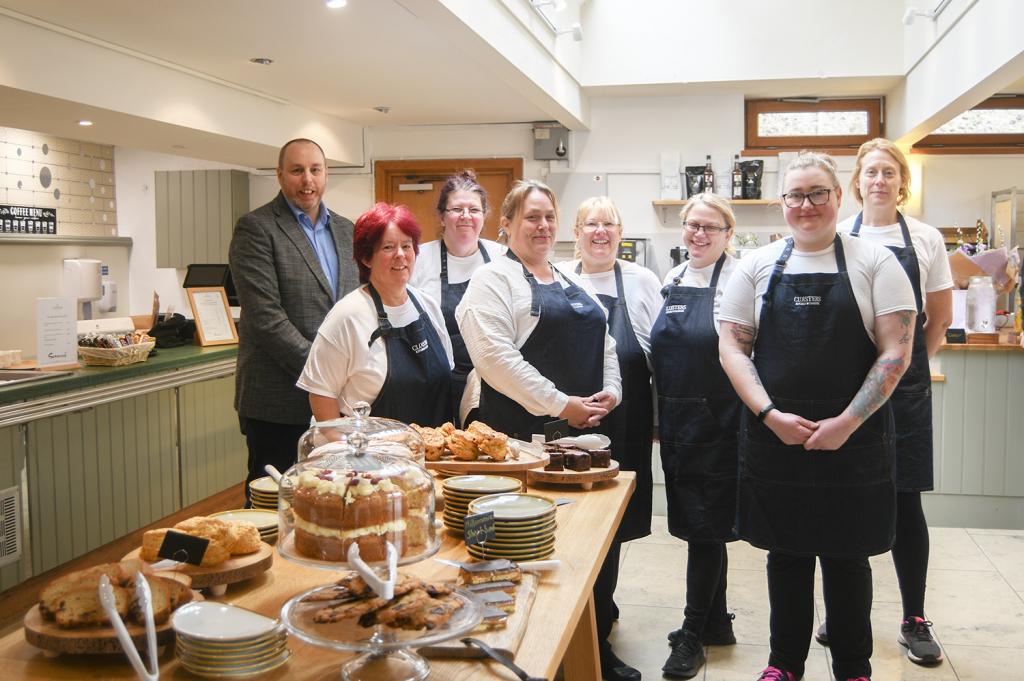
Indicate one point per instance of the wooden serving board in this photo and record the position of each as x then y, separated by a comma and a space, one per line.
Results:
505, 641
44, 634
237, 569
530, 456
586, 479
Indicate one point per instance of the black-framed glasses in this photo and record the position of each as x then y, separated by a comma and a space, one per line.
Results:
817, 197
694, 227
473, 211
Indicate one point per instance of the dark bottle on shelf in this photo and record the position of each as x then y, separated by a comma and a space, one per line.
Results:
709, 175
737, 178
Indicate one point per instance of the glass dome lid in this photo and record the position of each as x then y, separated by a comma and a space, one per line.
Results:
385, 436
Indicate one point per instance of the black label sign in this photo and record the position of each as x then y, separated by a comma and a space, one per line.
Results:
479, 527
26, 220
956, 336
555, 430
183, 548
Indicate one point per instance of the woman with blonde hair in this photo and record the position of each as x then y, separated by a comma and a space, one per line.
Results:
816, 332
881, 184
630, 295
698, 419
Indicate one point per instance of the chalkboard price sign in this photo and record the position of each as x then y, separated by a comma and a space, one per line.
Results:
26, 220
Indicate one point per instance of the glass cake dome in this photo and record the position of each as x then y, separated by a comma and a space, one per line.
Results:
358, 496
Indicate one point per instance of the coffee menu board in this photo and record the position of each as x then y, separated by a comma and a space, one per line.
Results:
26, 220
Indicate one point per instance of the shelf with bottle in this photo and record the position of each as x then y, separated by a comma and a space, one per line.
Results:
663, 205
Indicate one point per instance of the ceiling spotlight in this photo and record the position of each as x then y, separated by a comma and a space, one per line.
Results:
382, 109
335, 4
576, 30
914, 12
262, 61
85, 123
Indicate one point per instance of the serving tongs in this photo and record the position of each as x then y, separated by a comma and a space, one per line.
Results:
145, 600
500, 659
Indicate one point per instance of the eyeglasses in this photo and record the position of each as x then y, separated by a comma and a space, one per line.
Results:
694, 227
818, 197
473, 211
591, 225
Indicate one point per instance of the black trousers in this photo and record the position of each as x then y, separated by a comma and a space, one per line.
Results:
269, 443
910, 552
604, 589
847, 589
707, 567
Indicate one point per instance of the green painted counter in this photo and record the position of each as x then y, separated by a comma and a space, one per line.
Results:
165, 359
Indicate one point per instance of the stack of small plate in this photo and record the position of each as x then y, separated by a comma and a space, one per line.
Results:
221, 640
462, 489
264, 520
524, 527
263, 493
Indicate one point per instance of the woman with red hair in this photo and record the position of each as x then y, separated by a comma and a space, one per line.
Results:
385, 343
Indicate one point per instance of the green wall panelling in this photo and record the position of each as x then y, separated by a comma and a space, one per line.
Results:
213, 452
196, 211
12, 460
98, 474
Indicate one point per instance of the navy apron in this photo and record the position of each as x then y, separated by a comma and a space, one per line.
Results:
630, 426
451, 296
566, 347
812, 354
417, 388
698, 414
912, 399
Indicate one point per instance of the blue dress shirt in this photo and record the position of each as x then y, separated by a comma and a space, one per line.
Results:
322, 241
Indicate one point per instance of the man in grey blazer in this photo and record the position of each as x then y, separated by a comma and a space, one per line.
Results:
290, 260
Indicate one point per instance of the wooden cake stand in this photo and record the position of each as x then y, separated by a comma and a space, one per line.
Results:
584, 479
236, 569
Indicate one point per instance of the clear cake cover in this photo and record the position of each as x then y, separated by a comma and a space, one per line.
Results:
386, 436
362, 489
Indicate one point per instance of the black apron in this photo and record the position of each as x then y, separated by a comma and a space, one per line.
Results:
566, 347
451, 296
630, 426
698, 414
417, 388
812, 354
912, 399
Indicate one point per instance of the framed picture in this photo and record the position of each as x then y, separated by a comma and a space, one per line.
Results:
214, 324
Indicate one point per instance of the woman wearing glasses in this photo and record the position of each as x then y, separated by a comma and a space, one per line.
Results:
698, 418
538, 340
630, 295
881, 184
444, 267
829, 321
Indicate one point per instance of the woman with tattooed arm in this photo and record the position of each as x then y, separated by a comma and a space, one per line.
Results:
829, 321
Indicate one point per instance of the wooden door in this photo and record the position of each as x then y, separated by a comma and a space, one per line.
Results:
496, 175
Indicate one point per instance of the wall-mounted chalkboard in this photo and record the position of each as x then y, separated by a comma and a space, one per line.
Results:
26, 220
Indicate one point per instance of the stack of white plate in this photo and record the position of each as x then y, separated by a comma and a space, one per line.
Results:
462, 489
524, 527
221, 640
264, 520
263, 493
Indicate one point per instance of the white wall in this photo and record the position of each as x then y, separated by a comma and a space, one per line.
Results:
957, 190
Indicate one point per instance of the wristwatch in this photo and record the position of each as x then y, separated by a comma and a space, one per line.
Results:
764, 412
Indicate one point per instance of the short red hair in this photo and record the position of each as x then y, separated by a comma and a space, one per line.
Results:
369, 230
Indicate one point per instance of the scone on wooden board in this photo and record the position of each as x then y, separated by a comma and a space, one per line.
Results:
227, 539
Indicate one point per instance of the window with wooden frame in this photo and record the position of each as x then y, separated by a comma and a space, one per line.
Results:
838, 126
996, 126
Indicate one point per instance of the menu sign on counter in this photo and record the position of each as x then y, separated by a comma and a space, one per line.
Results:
26, 220
56, 337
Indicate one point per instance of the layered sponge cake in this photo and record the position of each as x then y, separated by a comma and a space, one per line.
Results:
335, 508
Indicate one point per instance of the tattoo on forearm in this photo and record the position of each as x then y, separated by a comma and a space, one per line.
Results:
908, 329
878, 385
744, 337
753, 371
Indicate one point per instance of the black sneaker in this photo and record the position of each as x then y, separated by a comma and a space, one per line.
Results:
715, 633
614, 669
916, 637
821, 635
687, 657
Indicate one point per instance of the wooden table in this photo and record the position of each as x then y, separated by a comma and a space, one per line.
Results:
561, 628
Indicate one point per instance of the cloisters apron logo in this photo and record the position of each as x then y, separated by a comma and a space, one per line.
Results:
675, 309
420, 347
807, 300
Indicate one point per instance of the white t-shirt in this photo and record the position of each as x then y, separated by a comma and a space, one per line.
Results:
494, 318
341, 362
879, 283
642, 290
426, 275
700, 277
929, 247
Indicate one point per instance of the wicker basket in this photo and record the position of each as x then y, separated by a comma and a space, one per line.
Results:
115, 357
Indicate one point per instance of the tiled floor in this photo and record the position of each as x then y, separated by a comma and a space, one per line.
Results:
975, 598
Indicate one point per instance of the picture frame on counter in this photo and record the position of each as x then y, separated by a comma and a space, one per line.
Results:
214, 325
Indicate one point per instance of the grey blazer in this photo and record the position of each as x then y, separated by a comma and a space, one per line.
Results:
284, 296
